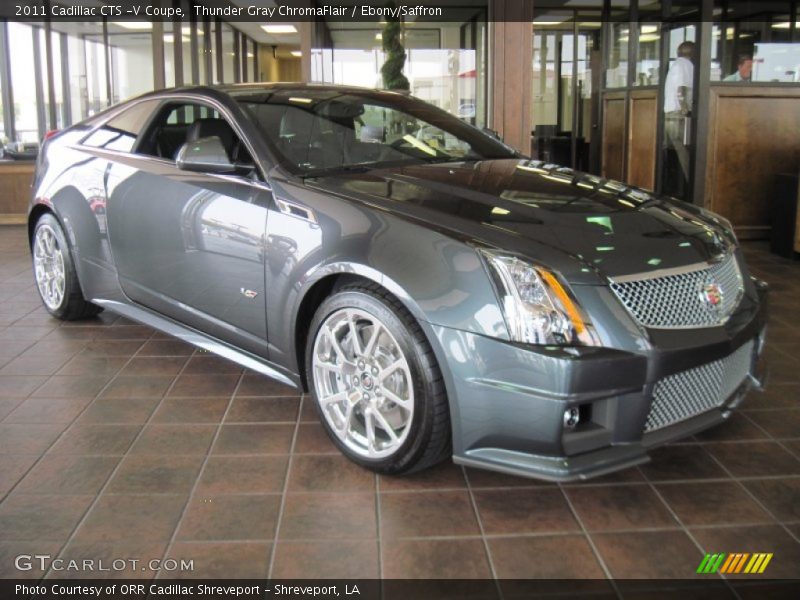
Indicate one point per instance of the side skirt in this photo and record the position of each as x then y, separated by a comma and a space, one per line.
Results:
199, 339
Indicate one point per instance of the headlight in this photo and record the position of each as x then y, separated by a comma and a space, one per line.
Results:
722, 222
537, 307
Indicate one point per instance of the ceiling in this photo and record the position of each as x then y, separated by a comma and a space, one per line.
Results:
255, 31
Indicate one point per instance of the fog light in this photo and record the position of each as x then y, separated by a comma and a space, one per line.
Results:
572, 416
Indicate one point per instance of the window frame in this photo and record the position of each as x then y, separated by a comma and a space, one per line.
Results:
261, 166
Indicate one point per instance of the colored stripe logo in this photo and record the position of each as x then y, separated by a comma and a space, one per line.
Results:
736, 562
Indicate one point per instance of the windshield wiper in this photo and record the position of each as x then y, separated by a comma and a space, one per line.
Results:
336, 170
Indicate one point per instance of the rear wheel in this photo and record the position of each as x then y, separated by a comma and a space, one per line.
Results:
54, 271
376, 383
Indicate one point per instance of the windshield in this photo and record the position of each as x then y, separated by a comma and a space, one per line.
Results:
323, 131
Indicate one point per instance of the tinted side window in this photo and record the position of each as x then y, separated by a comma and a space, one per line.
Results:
120, 133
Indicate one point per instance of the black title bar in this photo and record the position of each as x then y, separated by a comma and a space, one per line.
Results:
376, 589
343, 10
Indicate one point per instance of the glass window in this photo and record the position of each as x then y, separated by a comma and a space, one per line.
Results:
204, 51
617, 60
752, 42
773, 62
23, 81
186, 54
131, 62
647, 54
79, 71
120, 132
445, 62
94, 74
230, 68
562, 117
58, 82
215, 76
545, 85
169, 55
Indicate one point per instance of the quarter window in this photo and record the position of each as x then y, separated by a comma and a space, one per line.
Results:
121, 132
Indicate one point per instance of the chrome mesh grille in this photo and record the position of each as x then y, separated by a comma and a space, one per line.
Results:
689, 393
681, 300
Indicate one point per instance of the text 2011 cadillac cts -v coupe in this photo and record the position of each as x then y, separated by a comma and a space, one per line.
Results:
436, 293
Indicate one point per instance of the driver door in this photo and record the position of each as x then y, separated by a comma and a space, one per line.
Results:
191, 245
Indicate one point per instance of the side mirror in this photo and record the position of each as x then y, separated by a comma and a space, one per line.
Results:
206, 155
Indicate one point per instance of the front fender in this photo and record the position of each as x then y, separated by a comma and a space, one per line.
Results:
440, 279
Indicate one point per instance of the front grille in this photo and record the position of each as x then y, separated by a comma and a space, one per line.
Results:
689, 393
703, 297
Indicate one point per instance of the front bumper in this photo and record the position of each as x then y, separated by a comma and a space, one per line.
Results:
508, 400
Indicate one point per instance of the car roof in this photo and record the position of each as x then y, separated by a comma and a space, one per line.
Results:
237, 88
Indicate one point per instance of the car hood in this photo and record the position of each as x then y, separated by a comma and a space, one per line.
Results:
587, 228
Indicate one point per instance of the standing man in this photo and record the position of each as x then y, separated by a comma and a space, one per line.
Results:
677, 113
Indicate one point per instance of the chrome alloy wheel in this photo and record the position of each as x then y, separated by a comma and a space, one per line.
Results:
48, 265
363, 383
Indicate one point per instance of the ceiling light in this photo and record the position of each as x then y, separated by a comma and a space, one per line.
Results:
785, 25
549, 19
136, 25
296, 53
170, 39
379, 36
279, 28
300, 100
649, 28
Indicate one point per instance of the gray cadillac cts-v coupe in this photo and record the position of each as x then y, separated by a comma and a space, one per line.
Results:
436, 292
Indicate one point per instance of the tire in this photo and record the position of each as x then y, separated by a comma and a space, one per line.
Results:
394, 382
54, 272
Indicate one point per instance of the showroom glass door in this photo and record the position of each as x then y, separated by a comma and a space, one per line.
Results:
566, 64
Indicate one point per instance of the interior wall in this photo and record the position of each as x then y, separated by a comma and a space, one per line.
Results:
277, 69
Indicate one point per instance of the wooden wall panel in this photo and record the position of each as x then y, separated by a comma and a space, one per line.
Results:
754, 134
642, 139
613, 161
15, 187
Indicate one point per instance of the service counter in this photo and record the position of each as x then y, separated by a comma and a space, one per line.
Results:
15, 189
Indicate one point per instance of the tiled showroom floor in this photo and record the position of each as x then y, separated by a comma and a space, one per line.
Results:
116, 441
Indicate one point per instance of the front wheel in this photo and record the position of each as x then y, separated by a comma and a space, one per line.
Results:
54, 271
376, 383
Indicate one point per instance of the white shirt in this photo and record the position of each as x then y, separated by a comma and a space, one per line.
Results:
681, 74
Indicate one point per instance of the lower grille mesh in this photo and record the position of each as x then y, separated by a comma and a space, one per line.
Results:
689, 393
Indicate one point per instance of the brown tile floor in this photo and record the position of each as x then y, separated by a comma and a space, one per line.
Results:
116, 441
